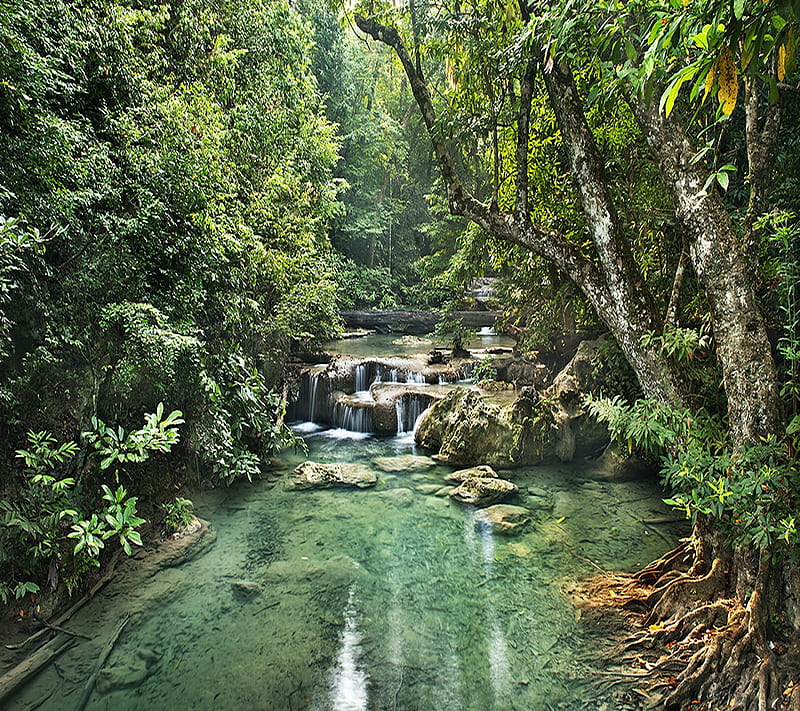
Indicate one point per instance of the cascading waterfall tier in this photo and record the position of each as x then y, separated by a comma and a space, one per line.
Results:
342, 394
410, 407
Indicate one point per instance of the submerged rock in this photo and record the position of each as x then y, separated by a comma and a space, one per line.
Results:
122, 676
482, 471
428, 489
403, 463
245, 589
399, 497
504, 519
483, 491
312, 475
336, 572
617, 466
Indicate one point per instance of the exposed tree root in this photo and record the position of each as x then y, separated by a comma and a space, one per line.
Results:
692, 641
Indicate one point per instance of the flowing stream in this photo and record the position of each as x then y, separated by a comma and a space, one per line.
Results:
347, 600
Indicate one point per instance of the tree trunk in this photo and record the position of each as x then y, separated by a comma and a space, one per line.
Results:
630, 313
740, 332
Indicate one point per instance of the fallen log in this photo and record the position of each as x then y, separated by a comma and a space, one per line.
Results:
73, 609
16, 677
101, 660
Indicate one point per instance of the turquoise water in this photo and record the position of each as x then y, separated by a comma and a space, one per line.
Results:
385, 598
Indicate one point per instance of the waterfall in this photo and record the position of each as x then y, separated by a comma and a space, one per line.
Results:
409, 408
355, 419
313, 386
418, 378
400, 408
381, 373
362, 377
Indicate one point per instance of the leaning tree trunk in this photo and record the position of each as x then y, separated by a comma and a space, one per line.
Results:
737, 668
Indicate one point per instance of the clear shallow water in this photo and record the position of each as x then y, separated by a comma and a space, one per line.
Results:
376, 599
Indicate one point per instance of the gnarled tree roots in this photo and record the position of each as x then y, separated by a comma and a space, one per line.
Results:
692, 643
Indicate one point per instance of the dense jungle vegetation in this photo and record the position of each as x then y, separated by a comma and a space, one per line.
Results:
192, 189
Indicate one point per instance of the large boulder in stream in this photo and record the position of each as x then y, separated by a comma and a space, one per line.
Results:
469, 427
312, 475
483, 491
579, 435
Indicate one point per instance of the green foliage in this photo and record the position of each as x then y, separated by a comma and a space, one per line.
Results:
55, 528
647, 427
611, 369
362, 287
679, 344
42, 456
484, 370
751, 492
451, 330
177, 160
17, 244
115, 448
783, 272
177, 514
242, 423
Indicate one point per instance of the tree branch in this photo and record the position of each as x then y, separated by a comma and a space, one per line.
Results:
545, 243
523, 139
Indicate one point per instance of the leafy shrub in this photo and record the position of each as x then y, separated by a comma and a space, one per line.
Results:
452, 331
242, 423
484, 370
55, 529
752, 492
177, 514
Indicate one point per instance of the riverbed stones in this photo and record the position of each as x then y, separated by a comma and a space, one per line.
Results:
245, 589
484, 491
504, 519
428, 489
403, 463
122, 676
399, 497
482, 471
313, 475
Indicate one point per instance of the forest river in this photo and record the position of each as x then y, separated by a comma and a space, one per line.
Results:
346, 600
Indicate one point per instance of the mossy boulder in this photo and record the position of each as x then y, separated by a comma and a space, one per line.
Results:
483, 491
468, 427
312, 475
579, 435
